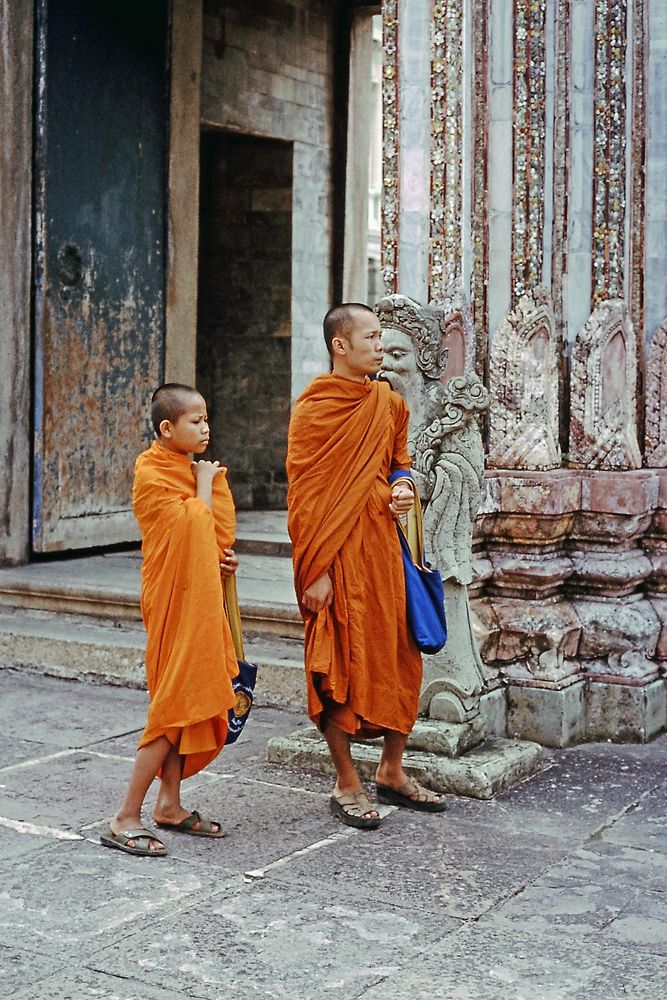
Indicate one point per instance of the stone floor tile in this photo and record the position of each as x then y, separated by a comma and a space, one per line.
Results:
67, 713
263, 823
644, 825
16, 751
479, 962
70, 898
605, 865
585, 788
15, 844
88, 984
642, 925
581, 909
73, 791
430, 863
257, 942
19, 966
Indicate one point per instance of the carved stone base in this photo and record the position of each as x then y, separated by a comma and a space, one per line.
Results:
493, 709
556, 717
624, 712
447, 739
484, 772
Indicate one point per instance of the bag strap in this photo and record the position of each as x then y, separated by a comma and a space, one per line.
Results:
413, 529
230, 600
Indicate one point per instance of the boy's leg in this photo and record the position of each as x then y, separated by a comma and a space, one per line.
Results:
147, 763
168, 808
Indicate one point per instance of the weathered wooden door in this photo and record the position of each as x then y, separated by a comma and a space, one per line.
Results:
100, 166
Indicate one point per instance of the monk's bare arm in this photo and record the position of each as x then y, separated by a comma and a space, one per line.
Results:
319, 595
205, 473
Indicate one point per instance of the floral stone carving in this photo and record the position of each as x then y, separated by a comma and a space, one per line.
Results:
448, 465
523, 432
603, 392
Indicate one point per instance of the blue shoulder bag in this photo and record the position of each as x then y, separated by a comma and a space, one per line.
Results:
244, 682
424, 592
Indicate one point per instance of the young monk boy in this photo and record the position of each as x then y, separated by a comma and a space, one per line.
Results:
347, 435
186, 515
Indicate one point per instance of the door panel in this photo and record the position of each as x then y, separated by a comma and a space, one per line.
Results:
99, 261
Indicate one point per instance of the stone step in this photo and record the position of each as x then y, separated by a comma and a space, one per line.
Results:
107, 587
102, 651
262, 533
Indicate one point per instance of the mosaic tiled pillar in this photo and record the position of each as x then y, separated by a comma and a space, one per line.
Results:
546, 165
655, 286
446, 214
390, 145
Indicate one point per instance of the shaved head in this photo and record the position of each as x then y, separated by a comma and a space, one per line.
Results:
340, 321
169, 402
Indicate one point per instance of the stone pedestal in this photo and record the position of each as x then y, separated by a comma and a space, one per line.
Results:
481, 773
574, 617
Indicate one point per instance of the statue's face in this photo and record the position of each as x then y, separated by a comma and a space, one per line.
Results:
399, 367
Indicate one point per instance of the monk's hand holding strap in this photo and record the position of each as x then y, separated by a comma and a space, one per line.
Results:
402, 494
424, 591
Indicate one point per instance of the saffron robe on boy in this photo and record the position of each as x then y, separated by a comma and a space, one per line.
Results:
190, 655
363, 669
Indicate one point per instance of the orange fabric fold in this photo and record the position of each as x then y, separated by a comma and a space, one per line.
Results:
190, 656
363, 669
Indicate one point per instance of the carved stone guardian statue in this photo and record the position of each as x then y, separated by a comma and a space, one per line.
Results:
448, 464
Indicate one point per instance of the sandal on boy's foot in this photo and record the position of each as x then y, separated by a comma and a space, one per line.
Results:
121, 842
351, 808
411, 795
206, 827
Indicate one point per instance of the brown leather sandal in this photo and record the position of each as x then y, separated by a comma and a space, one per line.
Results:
352, 808
419, 799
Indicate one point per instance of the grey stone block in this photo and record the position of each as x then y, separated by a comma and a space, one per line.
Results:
554, 717
623, 712
493, 708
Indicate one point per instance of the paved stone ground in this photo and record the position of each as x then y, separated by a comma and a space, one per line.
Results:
555, 891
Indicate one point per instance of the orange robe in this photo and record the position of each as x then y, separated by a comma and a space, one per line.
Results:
363, 669
190, 655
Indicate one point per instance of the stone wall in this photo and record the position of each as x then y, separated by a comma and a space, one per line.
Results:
244, 343
268, 71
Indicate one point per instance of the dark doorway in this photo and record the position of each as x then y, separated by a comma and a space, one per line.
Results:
100, 166
244, 314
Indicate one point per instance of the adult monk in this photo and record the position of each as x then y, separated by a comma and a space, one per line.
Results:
186, 515
347, 434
